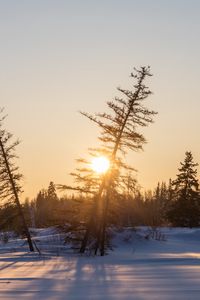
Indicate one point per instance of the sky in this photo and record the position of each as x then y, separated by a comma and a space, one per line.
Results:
59, 57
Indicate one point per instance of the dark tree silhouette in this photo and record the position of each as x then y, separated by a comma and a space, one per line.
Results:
185, 204
119, 133
10, 187
46, 206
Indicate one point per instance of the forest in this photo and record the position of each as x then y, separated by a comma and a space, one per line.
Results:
105, 193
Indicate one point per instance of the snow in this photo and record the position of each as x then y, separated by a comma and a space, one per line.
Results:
137, 269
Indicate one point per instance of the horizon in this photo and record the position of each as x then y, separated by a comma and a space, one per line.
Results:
59, 57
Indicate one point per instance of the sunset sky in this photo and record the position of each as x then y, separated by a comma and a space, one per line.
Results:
59, 57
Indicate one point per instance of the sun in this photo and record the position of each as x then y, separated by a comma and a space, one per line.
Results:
100, 164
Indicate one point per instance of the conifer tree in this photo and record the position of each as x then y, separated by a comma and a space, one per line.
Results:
10, 187
119, 133
51, 192
47, 203
160, 201
41, 207
185, 207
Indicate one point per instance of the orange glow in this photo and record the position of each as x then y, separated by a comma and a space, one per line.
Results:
100, 164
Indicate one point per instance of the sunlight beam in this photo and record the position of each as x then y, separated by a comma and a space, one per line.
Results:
100, 164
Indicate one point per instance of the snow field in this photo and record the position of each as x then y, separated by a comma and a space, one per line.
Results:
137, 269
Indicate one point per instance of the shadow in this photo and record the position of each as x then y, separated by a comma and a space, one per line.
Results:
19, 278
112, 277
89, 280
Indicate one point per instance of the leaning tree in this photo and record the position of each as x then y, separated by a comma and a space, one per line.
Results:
10, 187
119, 133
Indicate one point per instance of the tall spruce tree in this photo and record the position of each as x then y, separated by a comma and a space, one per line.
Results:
185, 204
119, 133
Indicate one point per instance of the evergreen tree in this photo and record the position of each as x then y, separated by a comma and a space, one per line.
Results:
41, 207
51, 192
52, 204
47, 203
119, 133
160, 203
10, 187
185, 205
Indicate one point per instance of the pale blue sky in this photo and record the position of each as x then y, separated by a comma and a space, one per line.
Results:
58, 57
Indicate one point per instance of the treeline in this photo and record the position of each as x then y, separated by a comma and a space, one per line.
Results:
176, 203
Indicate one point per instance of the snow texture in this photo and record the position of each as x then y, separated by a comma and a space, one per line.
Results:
140, 267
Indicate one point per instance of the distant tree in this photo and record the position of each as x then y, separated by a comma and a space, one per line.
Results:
119, 133
51, 192
46, 206
10, 187
9, 217
139, 211
41, 208
130, 189
160, 203
52, 204
185, 204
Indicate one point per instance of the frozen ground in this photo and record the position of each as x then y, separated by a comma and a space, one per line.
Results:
138, 269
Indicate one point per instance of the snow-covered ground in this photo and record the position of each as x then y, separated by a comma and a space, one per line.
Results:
138, 268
